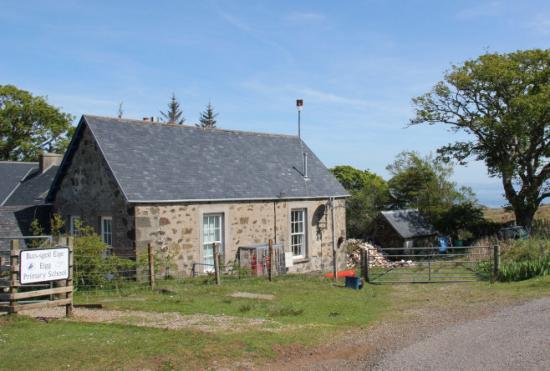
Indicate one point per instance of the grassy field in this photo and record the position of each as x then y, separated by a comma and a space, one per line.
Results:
500, 215
305, 311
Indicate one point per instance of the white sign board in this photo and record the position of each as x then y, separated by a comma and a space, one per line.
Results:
40, 265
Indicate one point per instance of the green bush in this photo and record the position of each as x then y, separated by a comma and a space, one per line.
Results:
93, 266
525, 259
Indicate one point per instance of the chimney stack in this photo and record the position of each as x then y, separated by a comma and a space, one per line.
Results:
45, 160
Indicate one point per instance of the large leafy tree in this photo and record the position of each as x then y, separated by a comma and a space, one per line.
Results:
502, 103
424, 183
174, 114
368, 195
28, 125
207, 119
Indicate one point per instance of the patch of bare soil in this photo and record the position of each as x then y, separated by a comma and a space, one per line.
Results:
250, 295
172, 321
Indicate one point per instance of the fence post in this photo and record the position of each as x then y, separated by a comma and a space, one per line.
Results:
365, 264
216, 263
270, 255
14, 270
496, 261
69, 283
429, 268
151, 263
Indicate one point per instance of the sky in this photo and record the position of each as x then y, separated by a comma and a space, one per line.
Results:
356, 65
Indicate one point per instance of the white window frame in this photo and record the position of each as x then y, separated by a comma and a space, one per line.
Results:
206, 245
301, 252
104, 232
72, 223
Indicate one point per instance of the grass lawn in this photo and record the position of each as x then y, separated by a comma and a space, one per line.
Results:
305, 310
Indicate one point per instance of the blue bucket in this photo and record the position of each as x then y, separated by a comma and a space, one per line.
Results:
354, 283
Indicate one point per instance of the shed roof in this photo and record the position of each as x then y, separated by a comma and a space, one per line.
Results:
409, 223
155, 162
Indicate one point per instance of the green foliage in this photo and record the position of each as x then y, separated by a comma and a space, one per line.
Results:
36, 230
461, 220
525, 259
28, 125
424, 183
174, 115
93, 266
369, 194
56, 225
207, 118
501, 101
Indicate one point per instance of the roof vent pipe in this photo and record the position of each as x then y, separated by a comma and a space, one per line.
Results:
305, 165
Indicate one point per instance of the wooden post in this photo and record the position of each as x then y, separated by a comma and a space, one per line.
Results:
151, 263
69, 307
270, 254
14, 273
496, 261
216, 263
365, 264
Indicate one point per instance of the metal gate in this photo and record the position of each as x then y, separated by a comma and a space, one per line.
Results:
429, 265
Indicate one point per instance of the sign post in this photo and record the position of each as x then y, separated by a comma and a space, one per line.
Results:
32, 266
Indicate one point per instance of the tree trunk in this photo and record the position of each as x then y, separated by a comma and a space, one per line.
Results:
525, 216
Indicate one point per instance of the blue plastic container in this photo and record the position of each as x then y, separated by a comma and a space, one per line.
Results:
354, 283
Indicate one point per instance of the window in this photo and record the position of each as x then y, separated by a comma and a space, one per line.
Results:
74, 221
107, 230
298, 233
212, 232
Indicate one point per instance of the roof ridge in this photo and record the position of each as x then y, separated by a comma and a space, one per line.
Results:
144, 123
18, 162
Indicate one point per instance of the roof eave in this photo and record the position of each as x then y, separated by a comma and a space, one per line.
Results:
234, 199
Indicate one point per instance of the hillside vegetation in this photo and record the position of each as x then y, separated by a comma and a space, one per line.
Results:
500, 215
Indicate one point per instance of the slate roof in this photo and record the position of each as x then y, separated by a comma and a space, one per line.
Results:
15, 221
155, 162
34, 188
11, 173
409, 223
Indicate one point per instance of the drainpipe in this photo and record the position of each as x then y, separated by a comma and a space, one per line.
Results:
334, 267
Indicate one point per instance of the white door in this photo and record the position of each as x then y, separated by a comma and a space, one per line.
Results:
212, 232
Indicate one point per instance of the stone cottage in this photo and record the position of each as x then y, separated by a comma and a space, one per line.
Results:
184, 188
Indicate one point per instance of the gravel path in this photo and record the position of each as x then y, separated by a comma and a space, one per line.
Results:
516, 338
166, 320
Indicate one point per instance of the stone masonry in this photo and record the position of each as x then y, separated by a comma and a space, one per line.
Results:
88, 190
178, 228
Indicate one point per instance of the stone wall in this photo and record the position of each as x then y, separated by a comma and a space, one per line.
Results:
177, 228
89, 190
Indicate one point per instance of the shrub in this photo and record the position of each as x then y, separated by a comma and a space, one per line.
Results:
525, 259
93, 267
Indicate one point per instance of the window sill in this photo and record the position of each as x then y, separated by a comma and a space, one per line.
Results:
300, 260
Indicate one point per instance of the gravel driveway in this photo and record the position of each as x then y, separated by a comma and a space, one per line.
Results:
516, 338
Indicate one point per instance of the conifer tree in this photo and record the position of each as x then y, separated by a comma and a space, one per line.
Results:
174, 115
207, 119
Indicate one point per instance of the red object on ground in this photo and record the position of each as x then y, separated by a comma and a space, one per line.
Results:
350, 273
